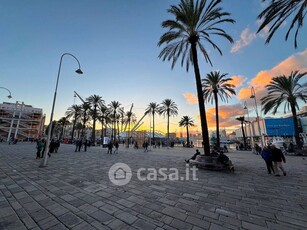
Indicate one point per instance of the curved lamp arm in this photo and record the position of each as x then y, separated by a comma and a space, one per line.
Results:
10, 95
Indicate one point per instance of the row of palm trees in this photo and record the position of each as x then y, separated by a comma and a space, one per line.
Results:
198, 22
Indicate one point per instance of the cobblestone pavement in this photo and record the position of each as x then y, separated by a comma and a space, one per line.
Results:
74, 192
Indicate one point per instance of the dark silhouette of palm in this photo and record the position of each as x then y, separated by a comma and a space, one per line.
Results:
153, 108
95, 101
85, 116
130, 119
168, 108
187, 122
62, 122
114, 107
276, 14
242, 121
286, 90
193, 24
215, 86
103, 118
75, 112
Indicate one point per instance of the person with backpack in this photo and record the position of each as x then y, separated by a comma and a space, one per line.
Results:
277, 158
267, 157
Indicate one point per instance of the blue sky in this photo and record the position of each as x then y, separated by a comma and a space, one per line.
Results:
116, 44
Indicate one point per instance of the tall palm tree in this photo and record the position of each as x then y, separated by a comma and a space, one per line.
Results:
153, 108
63, 122
276, 14
168, 108
193, 24
215, 86
242, 121
75, 112
286, 90
103, 116
95, 101
114, 107
85, 116
187, 122
130, 119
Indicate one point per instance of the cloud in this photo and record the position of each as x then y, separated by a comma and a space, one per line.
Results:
191, 98
227, 116
246, 39
297, 61
237, 80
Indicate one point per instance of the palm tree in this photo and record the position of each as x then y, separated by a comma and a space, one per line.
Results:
62, 122
168, 108
85, 116
114, 107
95, 101
103, 116
79, 128
242, 120
153, 108
286, 90
75, 112
194, 23
130, 119
276, 14
186, 121
215, 86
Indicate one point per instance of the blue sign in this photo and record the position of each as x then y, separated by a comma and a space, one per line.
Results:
279, 126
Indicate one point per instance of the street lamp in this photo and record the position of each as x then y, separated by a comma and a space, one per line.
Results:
9, 96
78, 71
253, 95
249, 125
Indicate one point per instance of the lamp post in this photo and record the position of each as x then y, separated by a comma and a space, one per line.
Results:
249, 125
10, 95
253, 95
78, 71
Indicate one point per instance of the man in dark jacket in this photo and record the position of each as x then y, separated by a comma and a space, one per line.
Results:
277, 158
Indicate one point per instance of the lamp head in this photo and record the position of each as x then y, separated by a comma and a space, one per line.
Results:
79, 71
245, 107
9, 96
252, 96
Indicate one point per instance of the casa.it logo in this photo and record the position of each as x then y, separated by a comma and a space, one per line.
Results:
120, 174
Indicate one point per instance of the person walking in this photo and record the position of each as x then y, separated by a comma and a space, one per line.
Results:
277, 158
116, 145
39, 148
267, 157
110, 147
57, 145
85, 145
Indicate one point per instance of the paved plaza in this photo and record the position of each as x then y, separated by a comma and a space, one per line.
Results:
74, 192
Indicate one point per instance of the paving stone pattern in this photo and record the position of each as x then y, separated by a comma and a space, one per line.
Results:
74, 192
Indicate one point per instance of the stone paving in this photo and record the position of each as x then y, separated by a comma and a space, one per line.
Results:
74, 192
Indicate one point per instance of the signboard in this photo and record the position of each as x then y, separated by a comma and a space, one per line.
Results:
279, 126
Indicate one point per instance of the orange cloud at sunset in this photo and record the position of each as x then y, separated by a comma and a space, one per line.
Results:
237, 80
191, 98
263, 78
227, 116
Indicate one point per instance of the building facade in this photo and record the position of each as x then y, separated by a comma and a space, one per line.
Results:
20, 122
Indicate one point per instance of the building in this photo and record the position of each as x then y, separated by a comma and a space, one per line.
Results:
20, 121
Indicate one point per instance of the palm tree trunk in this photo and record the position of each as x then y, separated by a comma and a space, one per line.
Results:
243, 133
201, 103
168, 129
188, 137
73, 128
217, 121
153, 128
296, 131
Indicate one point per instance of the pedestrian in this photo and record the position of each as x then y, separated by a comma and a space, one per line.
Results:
267, 157
110, 147
39, 148
116, 145
85, 145
193, 157
51, 146
57, 145
79, 145
277, 158
44, 148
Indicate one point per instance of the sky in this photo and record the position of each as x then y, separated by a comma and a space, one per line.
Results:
115, 42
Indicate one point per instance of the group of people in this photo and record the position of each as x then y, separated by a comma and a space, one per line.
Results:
79, 143
273, 158
41, 147
111, 145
